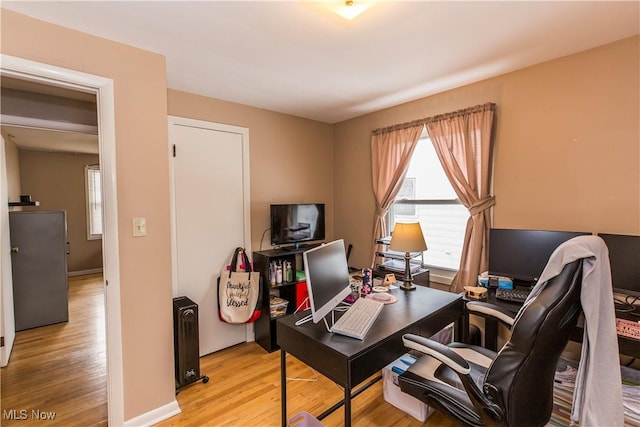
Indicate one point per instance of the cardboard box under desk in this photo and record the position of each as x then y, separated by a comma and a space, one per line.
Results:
391, 390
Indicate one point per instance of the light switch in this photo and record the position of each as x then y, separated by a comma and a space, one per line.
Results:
139, 227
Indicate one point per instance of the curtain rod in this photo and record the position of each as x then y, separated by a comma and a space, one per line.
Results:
483, 107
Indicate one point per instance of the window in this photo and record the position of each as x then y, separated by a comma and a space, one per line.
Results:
426, 196
94, 201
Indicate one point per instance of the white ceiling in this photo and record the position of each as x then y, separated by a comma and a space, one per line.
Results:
298, 58
36, 135
47, 140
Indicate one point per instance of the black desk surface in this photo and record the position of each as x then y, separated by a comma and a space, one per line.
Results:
627, 346
424, 311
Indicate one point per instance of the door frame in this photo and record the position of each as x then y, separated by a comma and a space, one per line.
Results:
7, 317
103, 88
246, 238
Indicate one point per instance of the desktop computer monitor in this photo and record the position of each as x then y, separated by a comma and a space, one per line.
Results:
624, 258
523, 254
327, 276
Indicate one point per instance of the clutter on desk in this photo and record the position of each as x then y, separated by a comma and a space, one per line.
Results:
355, 281
490, 281
385, 298
628, 328
367, 281
389, 279
476, 292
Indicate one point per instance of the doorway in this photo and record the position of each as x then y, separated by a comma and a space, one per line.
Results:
102, 88
60, 369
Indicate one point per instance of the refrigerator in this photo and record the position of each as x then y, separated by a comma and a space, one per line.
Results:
39, 264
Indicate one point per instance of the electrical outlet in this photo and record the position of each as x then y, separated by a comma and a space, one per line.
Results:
139, 227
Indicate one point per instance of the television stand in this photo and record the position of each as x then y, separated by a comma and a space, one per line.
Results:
298, 247
305, 246
290, 291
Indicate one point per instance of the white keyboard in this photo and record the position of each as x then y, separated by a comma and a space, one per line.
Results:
358, 319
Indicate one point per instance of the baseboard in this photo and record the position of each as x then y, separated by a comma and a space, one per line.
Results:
154, 416
83, 272
250, 333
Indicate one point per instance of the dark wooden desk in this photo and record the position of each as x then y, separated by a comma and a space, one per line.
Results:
490, 324
421, 277
627, 346
349, 361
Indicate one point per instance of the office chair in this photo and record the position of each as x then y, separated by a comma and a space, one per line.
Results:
513, 387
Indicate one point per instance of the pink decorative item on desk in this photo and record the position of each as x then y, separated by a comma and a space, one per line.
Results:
367, 281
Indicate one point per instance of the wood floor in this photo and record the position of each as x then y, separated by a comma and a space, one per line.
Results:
244, 390
59, 371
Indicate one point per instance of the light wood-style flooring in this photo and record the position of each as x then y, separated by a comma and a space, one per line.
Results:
244, 390
60, 370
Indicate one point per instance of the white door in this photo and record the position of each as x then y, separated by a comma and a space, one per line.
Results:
7, 322
211, 217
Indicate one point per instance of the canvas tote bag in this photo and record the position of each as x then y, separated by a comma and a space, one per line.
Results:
239, 290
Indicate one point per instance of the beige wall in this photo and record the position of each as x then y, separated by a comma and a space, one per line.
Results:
57, 181
567, 151
143, 191
291, 159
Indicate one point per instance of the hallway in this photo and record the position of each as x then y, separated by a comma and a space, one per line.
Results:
57, 374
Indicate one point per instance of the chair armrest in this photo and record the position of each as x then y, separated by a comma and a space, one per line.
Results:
491, 310
491, 413
438, 351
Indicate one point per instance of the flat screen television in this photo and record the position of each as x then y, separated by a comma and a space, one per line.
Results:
523, 254
295, 223
327, 276
624, 258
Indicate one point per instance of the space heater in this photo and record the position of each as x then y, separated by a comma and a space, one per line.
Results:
185, 342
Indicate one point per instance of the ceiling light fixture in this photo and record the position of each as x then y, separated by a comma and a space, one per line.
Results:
349, 9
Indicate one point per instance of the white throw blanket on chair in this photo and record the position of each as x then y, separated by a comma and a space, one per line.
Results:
597, 399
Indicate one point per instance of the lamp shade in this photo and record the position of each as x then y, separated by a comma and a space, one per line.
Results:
407, 237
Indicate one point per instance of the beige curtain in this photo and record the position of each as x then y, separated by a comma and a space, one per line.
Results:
463, 142
391, 150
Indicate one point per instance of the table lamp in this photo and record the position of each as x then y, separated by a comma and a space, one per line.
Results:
407, 238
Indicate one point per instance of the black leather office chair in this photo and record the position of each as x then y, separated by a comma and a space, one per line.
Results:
513, 387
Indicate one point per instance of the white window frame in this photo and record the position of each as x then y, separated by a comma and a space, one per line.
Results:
93, 206
440, 274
